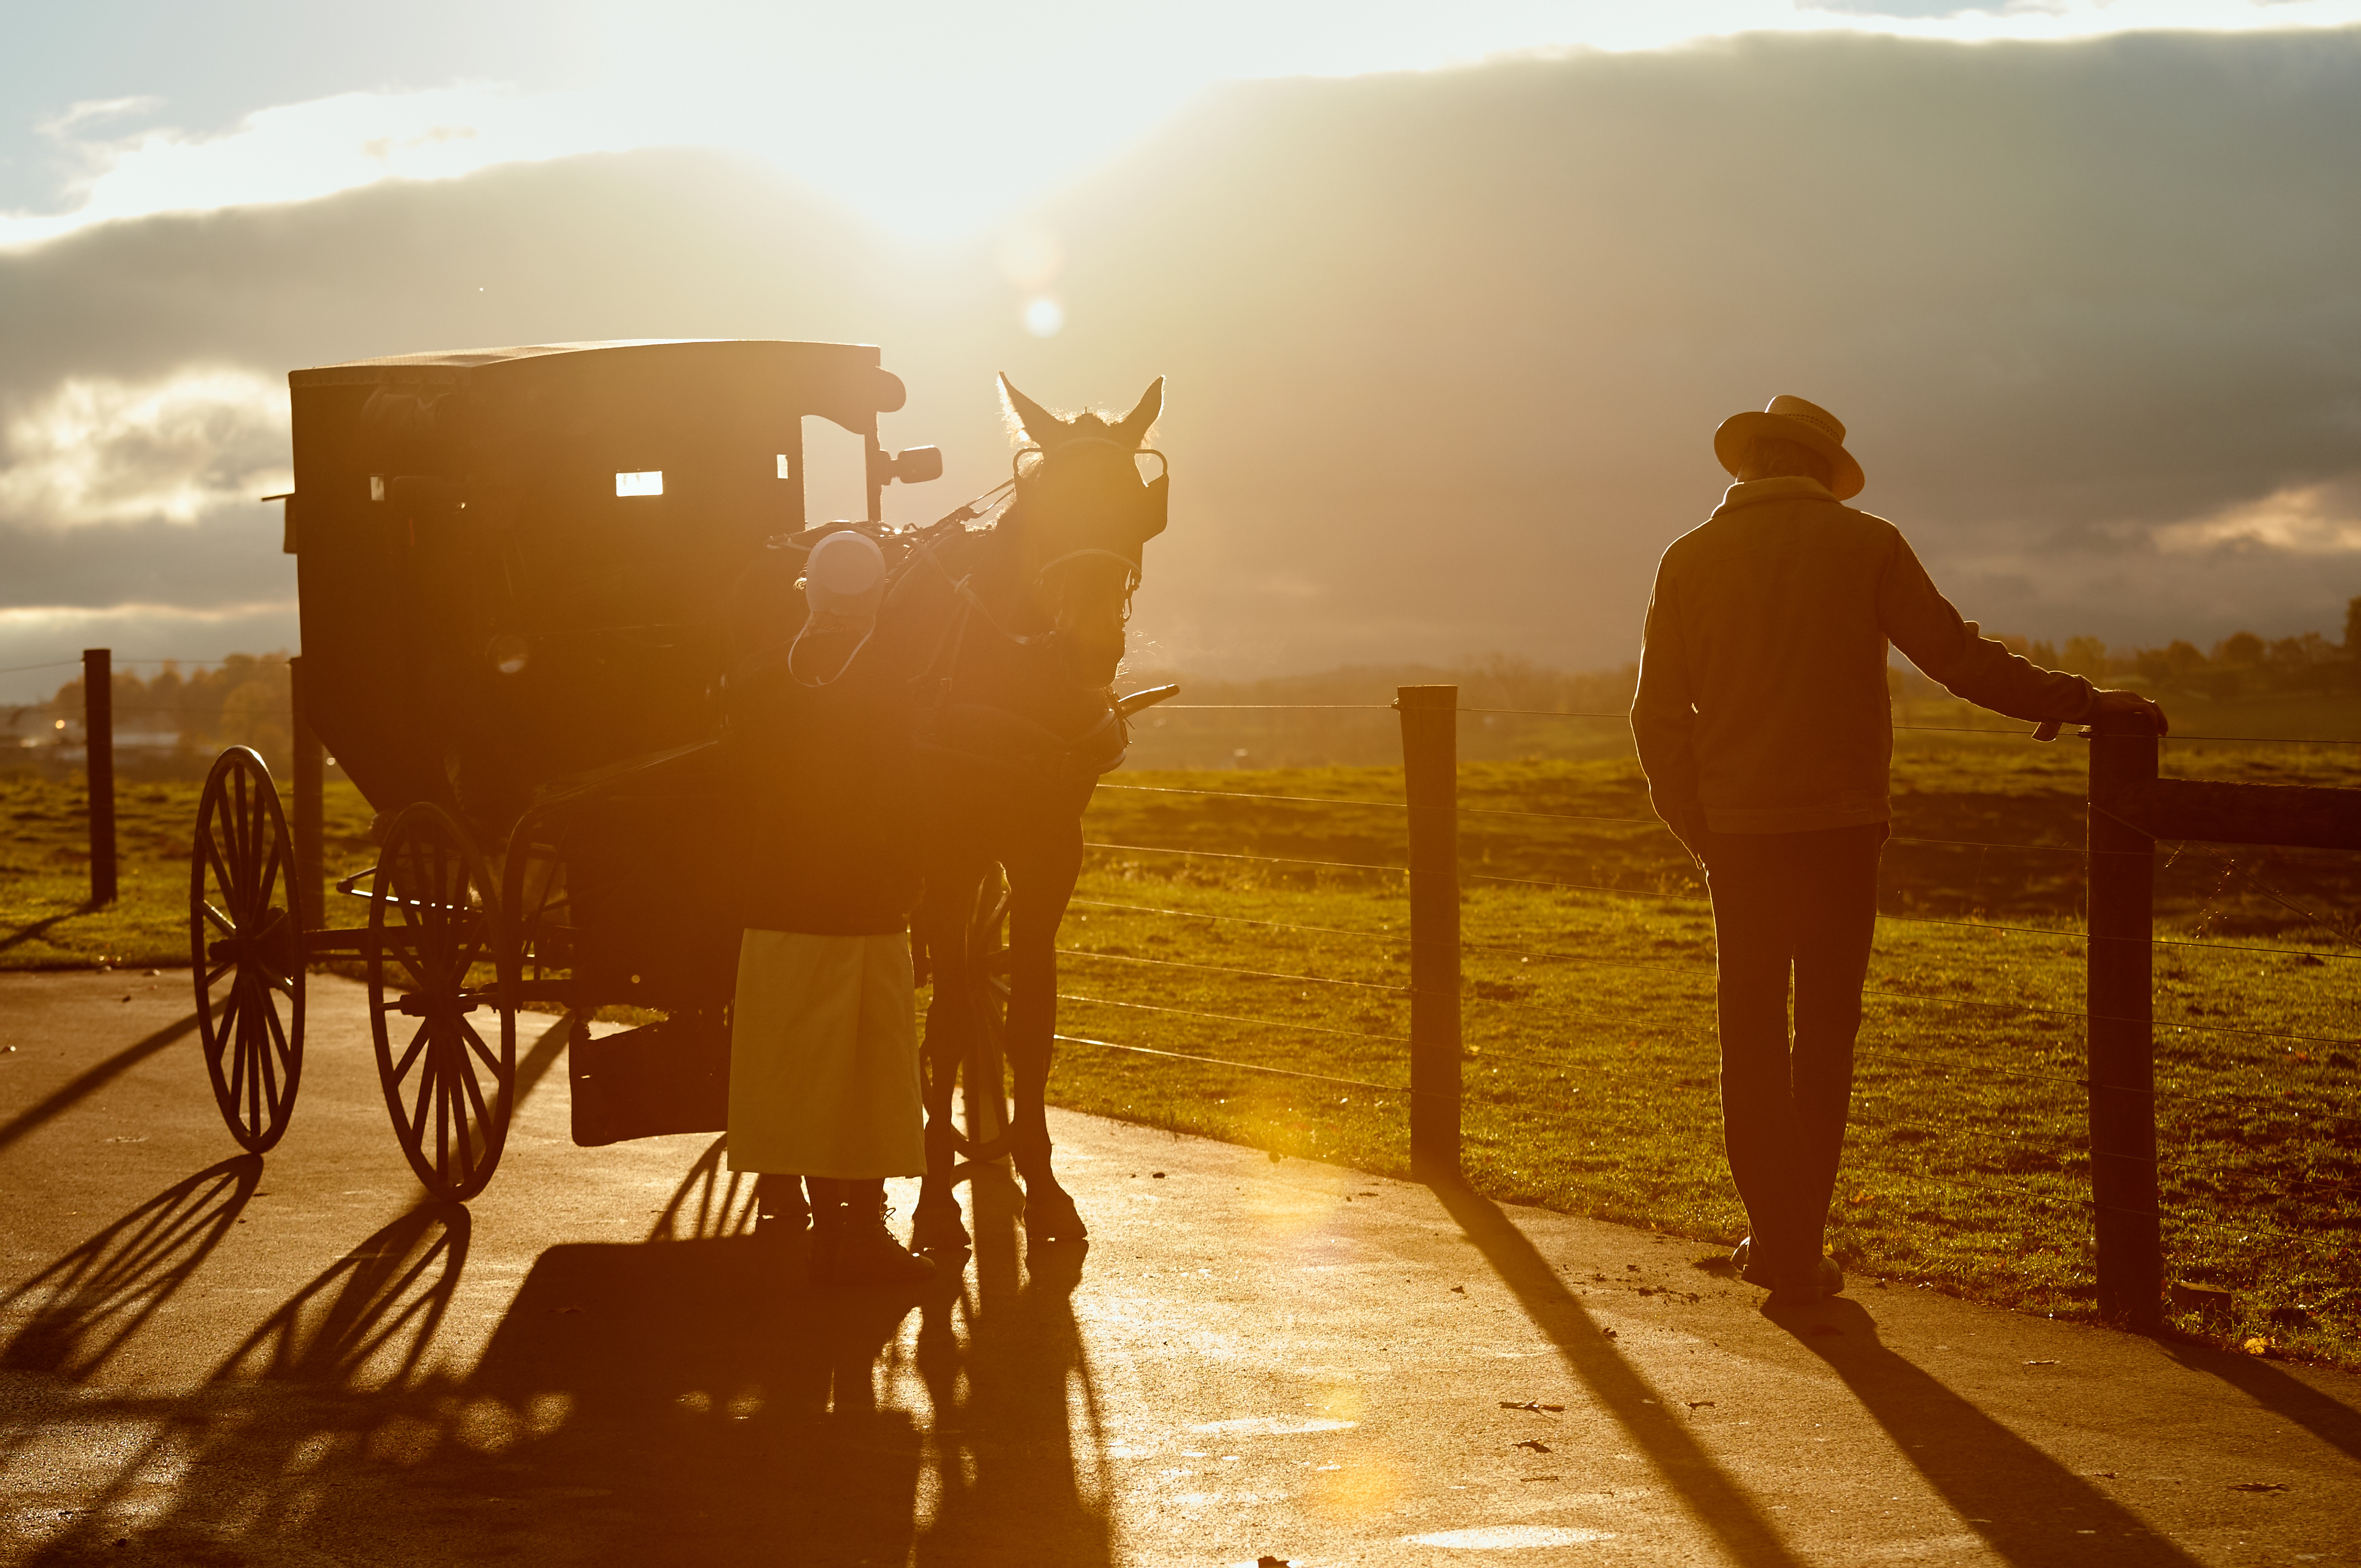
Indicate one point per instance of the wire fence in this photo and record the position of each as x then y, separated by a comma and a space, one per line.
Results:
2005, 1031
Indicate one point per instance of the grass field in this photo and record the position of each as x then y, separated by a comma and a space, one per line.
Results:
1589, 1058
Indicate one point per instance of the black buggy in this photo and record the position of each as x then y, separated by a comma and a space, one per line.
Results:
513, 567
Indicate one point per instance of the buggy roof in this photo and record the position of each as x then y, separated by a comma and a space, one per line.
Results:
456, 364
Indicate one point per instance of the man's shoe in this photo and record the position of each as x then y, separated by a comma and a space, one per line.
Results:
1742, 1260
1831, 1280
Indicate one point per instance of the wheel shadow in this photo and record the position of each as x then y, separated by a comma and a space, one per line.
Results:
333, 1382
2030, 1510
686, 1398
80, 1310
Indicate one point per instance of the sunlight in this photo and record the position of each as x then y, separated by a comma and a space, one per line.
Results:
934, 120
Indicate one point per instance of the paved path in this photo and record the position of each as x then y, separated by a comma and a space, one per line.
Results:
289, 1361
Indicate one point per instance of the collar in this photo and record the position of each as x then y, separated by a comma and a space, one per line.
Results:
1791, 487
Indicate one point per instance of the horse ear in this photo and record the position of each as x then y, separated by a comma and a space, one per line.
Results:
1139, 420
1041, 426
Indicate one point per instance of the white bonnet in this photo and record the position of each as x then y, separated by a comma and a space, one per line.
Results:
845, 574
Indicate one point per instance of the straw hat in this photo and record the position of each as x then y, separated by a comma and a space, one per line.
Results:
1792, 419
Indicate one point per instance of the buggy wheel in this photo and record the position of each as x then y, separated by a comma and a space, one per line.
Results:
245, 947
538, 915
983, 1085
433, 917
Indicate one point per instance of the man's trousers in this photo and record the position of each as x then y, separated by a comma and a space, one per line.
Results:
1805, 902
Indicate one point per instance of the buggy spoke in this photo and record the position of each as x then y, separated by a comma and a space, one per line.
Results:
233, 1041
270, 876
483, 1122
417, 1128
277, 1034
226, 882
442, 1127
214, 978
481, 1049
266, 1057
417, 1044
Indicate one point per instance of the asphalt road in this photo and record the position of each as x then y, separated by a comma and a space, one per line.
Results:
292, 1360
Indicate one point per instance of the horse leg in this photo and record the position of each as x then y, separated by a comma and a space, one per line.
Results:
942, 918
1041, 881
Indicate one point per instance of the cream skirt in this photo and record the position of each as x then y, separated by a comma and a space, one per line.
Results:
824, 1057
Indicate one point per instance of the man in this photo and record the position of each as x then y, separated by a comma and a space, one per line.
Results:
1762, 725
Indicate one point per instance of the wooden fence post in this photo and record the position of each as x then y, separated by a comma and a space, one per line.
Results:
2118, 996
98, 767
1430, 733
311, 785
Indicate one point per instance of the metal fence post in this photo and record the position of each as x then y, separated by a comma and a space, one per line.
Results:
2119, 999
98, 767
1430, 730
311, 785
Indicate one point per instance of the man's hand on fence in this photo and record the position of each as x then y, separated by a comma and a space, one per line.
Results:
2108, 702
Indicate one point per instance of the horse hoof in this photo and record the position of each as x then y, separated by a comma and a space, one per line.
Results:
1053, 1218
938, 1228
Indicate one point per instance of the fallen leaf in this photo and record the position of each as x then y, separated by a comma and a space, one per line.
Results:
1459, 1290
1536, 1447
2258, 1345
1537, 1477
2104, 1475
1699, 1404
1155, 1176
1269, 1562
1609, 1333
1528, 1405
2041, 1364
2258, 1486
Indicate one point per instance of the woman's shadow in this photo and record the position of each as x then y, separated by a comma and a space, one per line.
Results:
2030, 1508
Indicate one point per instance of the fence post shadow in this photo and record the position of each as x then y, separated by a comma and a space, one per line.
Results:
92, 1080
1718, 1500
2331, 1419
2025, 1504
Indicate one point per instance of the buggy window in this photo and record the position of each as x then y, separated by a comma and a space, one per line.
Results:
836, 472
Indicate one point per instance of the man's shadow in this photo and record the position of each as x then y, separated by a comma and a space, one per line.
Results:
2030, 1508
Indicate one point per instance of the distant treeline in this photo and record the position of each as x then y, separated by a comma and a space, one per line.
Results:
2240, 665
242, 701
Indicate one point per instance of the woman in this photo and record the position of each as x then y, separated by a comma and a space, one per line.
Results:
824, 1048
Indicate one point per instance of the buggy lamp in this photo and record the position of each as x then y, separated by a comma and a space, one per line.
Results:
912, 465
508, 654
649, 482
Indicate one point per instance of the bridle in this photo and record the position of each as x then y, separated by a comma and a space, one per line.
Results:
970, 603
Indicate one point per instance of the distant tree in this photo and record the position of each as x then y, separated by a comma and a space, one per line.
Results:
2239, 649
2087, 657
2352, 627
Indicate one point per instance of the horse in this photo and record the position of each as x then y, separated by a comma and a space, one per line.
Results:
1011, 638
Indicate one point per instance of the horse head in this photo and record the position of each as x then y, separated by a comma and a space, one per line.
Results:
1081, 517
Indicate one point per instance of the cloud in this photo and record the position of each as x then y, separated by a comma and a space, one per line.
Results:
100, 449
2307, 521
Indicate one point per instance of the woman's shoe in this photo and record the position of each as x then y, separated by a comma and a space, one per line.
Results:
865, 1253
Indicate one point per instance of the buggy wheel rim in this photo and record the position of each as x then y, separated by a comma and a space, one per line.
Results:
246, 949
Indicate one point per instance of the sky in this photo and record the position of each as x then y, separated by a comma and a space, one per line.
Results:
1451, 296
